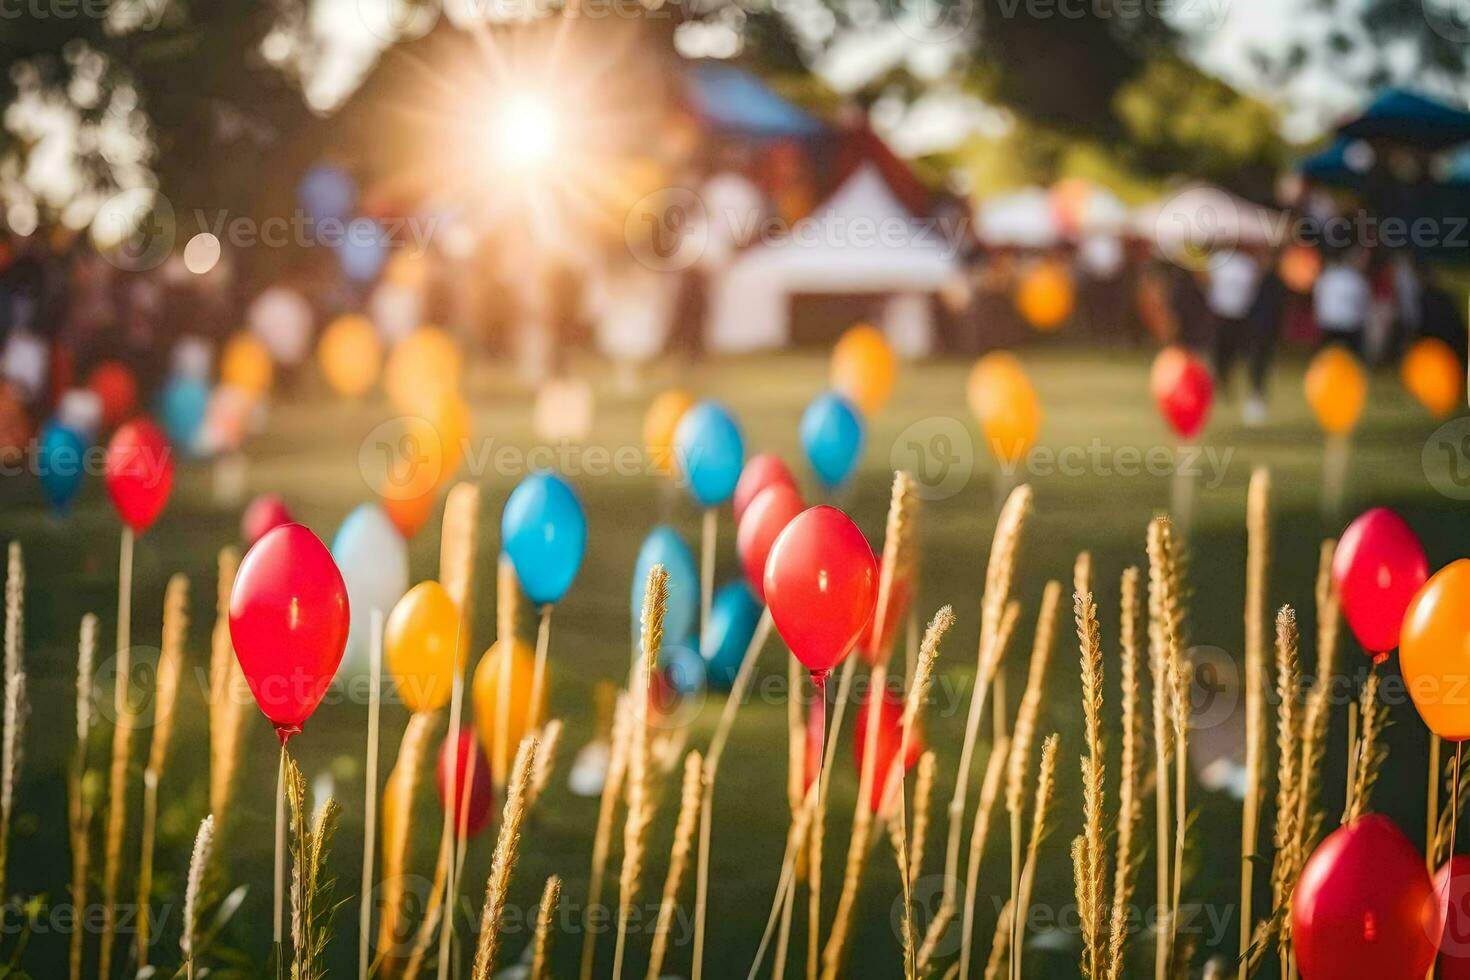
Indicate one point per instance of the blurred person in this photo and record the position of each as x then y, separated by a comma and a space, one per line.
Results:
1263, 334
1232, 281
1383, 310
1190, 310
1340, 301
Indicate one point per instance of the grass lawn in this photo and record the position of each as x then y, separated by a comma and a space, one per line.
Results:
1097, 408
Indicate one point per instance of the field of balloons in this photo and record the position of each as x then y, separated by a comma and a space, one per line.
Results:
810, 663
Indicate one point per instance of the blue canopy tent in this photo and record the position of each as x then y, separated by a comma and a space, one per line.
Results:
736, 103
1331, 166
1409, 117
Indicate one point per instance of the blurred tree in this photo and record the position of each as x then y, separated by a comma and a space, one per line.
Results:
222, 87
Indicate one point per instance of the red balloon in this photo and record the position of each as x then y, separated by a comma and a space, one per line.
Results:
1452, 900
1378, 566
288, 621
456, 783
821, 586
139, 471
888, 740
765, 470
873, 647
1183, 389
117, 390
265, 512
1363, 909
765, 518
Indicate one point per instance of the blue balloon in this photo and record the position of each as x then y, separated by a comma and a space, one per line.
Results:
732, 622
832, 436
682, 668
544, 531
59, 464
663, 546
182, 405
373, 558
325, 193
710, 452
363, 250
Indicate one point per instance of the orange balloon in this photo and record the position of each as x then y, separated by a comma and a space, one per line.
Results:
1336, 388
1432, 373
1003, 400
350, 355
449, 417
864, 368
421, 647
659, 423
410, 514
1044, 296
519, 717
1434, 651
246, 364
407, 269
421, 368
1300, 266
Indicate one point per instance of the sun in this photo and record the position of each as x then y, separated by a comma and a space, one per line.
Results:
524, 131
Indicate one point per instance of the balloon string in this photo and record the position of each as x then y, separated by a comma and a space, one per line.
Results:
814, 834
707, 571
370, 801
280, 881
538, 672
1443, 900
457, 788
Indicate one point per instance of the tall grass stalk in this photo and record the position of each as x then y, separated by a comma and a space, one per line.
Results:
165, 701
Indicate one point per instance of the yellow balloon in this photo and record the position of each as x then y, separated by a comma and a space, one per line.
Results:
1044, 296
486, 690
1432, 373
246, 364
407, 269
864, 367
1002, 398
420, 368
350, 355
1336, 388
421, 647
659, 423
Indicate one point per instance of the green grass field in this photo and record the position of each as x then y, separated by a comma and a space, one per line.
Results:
1096, 403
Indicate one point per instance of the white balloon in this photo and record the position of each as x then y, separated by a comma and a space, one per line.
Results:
373, 558
396, 311
281, 319
80, 409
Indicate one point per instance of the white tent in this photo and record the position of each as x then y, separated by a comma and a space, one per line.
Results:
1201, 216
1023, 218
861, 240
